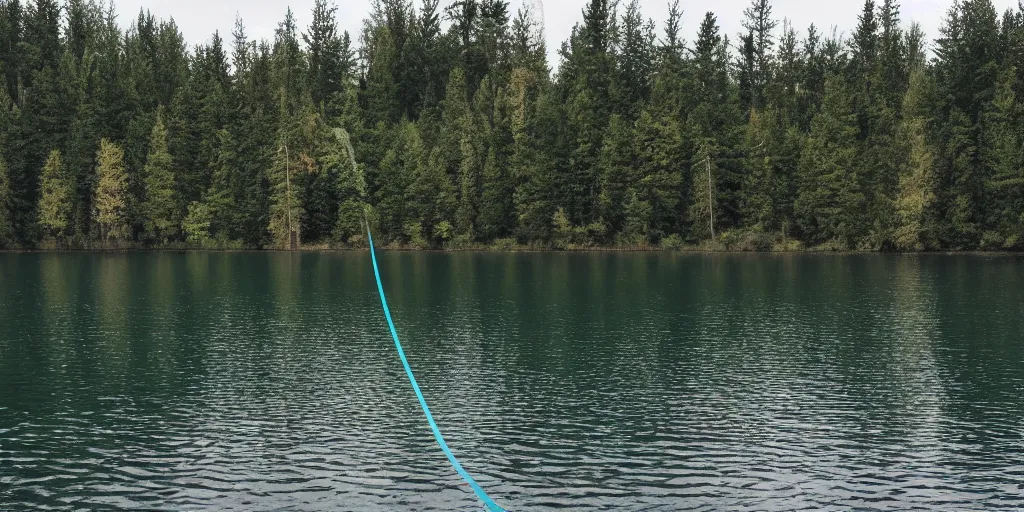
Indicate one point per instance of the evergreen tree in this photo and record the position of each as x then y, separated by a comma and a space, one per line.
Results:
441, 135
160, 208
496, 218
111, 200
757, 61
618, 160
1003, 158
351, 189
659, 174
765, 186
55, 200
829, 204
704, 205
402, 163
327, 60
715, 118
966, 72
635, 58
917, 180
7, 236
586, 71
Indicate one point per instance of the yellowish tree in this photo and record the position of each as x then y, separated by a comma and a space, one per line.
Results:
916, 195
55, 207
6, 207
111, 199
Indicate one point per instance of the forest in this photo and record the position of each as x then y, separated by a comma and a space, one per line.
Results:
445, 127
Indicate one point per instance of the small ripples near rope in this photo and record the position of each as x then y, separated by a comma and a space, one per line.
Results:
491, 505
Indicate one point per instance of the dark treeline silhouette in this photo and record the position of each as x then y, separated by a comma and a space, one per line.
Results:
776, 138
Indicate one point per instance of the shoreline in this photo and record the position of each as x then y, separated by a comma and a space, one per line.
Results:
486, 250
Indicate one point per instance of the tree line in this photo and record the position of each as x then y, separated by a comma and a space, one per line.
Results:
445, 127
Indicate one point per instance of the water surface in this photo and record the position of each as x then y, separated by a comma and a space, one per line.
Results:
654, 382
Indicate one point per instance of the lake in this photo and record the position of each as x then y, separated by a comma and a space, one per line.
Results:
649, 381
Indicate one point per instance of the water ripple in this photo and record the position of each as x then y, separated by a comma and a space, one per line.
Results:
585, 382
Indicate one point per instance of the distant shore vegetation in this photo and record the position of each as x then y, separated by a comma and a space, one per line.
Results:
445, 127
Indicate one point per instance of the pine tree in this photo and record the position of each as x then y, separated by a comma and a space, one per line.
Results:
1003, 157
757, 58
395, 203
111, 200
216, 209
659, 171
351, 190
917, 179
635, 62
618, 160
829, 204
715, 117
291, 168
326, 54
637, 217
55, 200
966, 76
764, 187
7, 236
587, 70
704, 205
160, 208
446, 135
496, 218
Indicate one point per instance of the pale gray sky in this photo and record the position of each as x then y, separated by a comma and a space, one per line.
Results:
199, 18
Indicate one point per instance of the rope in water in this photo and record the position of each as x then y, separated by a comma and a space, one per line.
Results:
491, 505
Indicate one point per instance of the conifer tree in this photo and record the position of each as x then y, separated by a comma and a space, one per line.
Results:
915, 200
111, 200
462, 133
618, 160
328, 66
757, 61
498, 186
1003, 157
829, 203
351, 189
704, 204
55, 199
7, 235
658, 178
160, 208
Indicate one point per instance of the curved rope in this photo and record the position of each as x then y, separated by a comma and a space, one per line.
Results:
491, 505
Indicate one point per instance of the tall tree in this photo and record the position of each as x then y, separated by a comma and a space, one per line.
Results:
111, 200
328, 61
829, 203
160, 208
757, 61
915, 202
7, 236
55, 200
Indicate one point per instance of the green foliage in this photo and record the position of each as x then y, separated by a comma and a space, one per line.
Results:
7, 235
111, 200
830, 203
451, 131
55, 205
704, 205
160, 209
672, 242
658, 179
196, 225
917, 177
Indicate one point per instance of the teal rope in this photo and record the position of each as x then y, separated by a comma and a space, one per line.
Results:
493, 507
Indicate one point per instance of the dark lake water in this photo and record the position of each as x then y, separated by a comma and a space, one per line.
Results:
652, 382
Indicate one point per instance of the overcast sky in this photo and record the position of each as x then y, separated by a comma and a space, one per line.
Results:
199, 18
